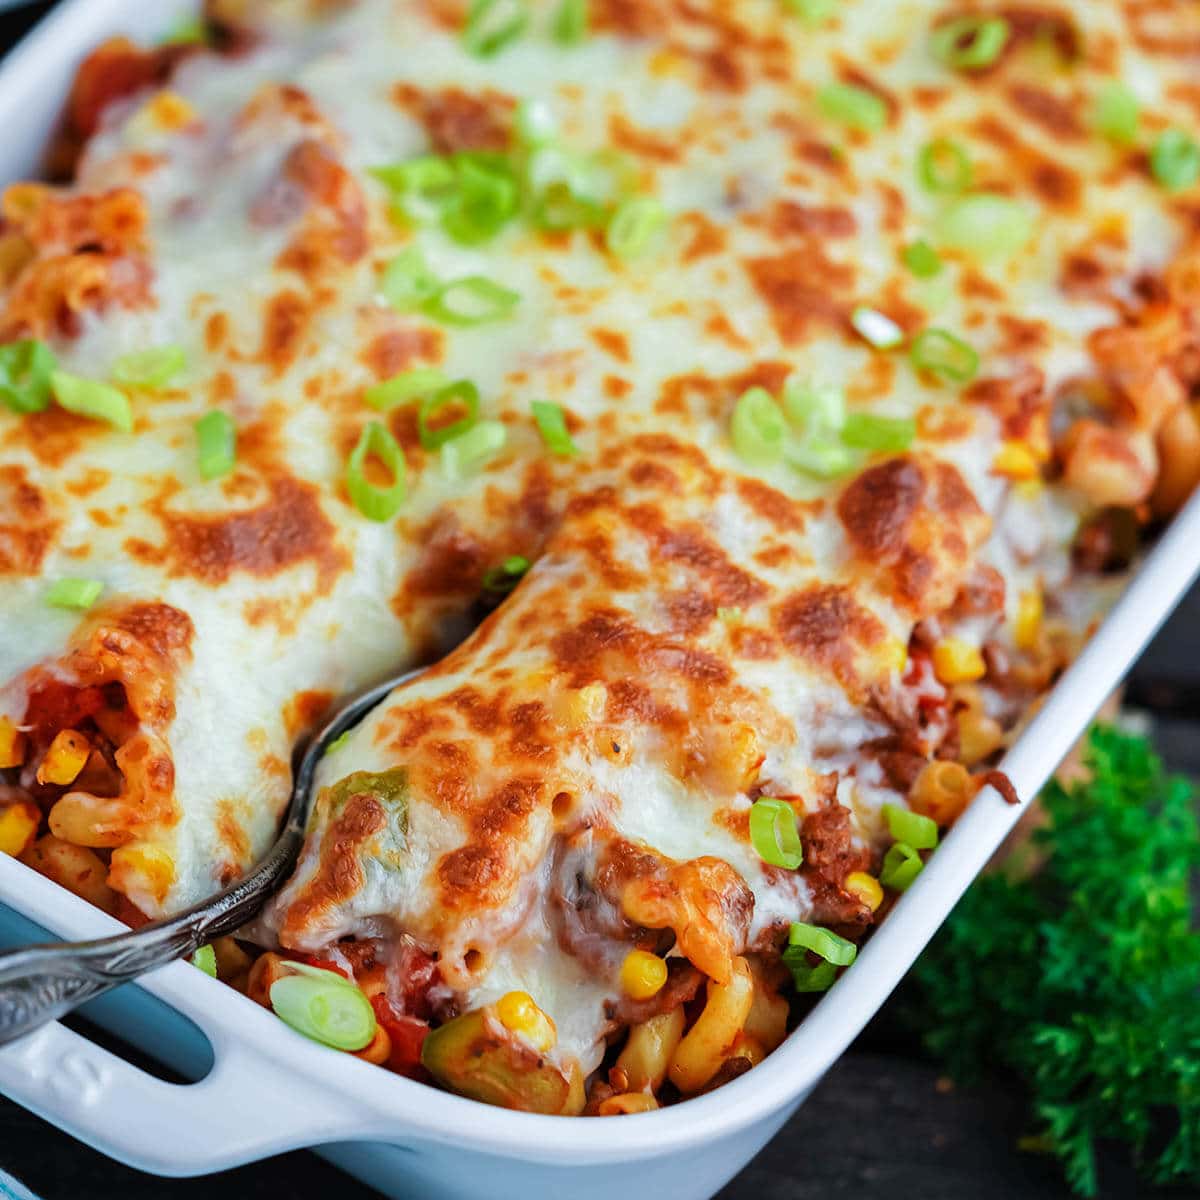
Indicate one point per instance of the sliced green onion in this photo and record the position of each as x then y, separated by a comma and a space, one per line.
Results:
492, 24
461, 393
985, 225
152, 368
946, 355
502, 579
407, 386
814, 407
922, 259
324, 1006
968, 43
535, 123
420, 187
376, 503
205, 959
465, 453
88, 398
337, 743
943, 167
812, 12
773, 833
188, 31
483, 202
901, 865
877, 328
570, 22
1175, 160
822, 457
853, 106
730, 616
758, 428
809, 979
552, 425
569, 191
558, 209
823, 942
911, 828
1117, 114
634, 226
472, 300
216, 439
25, 370
74, 593
407, 282
867, 431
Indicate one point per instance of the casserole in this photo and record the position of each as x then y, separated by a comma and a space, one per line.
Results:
678, 1168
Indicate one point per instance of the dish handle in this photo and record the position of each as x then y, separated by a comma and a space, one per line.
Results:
242, 1110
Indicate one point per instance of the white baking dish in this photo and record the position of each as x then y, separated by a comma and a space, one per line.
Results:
267, 1089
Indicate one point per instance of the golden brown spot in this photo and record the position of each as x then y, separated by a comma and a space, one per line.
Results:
826, 626
624, 134
784, 513
1057, 117
802, 288
303, 711
285, 324
613, 342
457, 120
230, 832
26, 527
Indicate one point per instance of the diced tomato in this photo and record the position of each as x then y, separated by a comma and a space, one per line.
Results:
323, 964
408, 1035
419, 972
129, 912
55, 705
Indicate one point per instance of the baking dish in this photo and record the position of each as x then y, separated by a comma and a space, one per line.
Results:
265, 1090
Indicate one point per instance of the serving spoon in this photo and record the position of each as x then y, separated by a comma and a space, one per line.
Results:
43, 982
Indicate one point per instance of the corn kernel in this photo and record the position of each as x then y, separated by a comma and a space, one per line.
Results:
642, 975
1016, 460
1030, 489
65, 759
18, 827
1028, 622
865, 887
978, 736
12, 744
956, 661
520, 1015
894, 655
168, 110
152, 865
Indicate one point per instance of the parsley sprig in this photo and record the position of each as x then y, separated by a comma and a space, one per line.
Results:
1084, 978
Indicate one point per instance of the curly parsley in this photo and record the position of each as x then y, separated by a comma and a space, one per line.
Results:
1084, 978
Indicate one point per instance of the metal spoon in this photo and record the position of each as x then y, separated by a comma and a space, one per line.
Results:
41, 983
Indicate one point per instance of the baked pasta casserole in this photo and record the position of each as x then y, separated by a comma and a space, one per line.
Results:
745, 408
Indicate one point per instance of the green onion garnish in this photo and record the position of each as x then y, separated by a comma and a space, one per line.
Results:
758, 428
472, 300
74, 593
969, 43
985, 225
877, 328
1117, 113
946, 355
812, 12
558, 209
337, 743
922, 259
823, 457
634, 226
814, 407
535, 123
943, 167
901, 865
420, 187
570, 22
187, 31
152, 368
25, 370
407, 282
462, 393
205, 959
483, 201
852, 106
324, 1006
773, 833
407, 386
492, 24
216, 440
376, 503
552, 425
912, 828
729, 616
823, 942
867, 431
468, 451
1175, 160
88, 398
502, 579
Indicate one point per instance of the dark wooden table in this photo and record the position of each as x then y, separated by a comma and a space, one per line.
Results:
880, 1127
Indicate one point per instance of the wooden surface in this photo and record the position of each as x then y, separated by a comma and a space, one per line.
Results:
879, 1127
